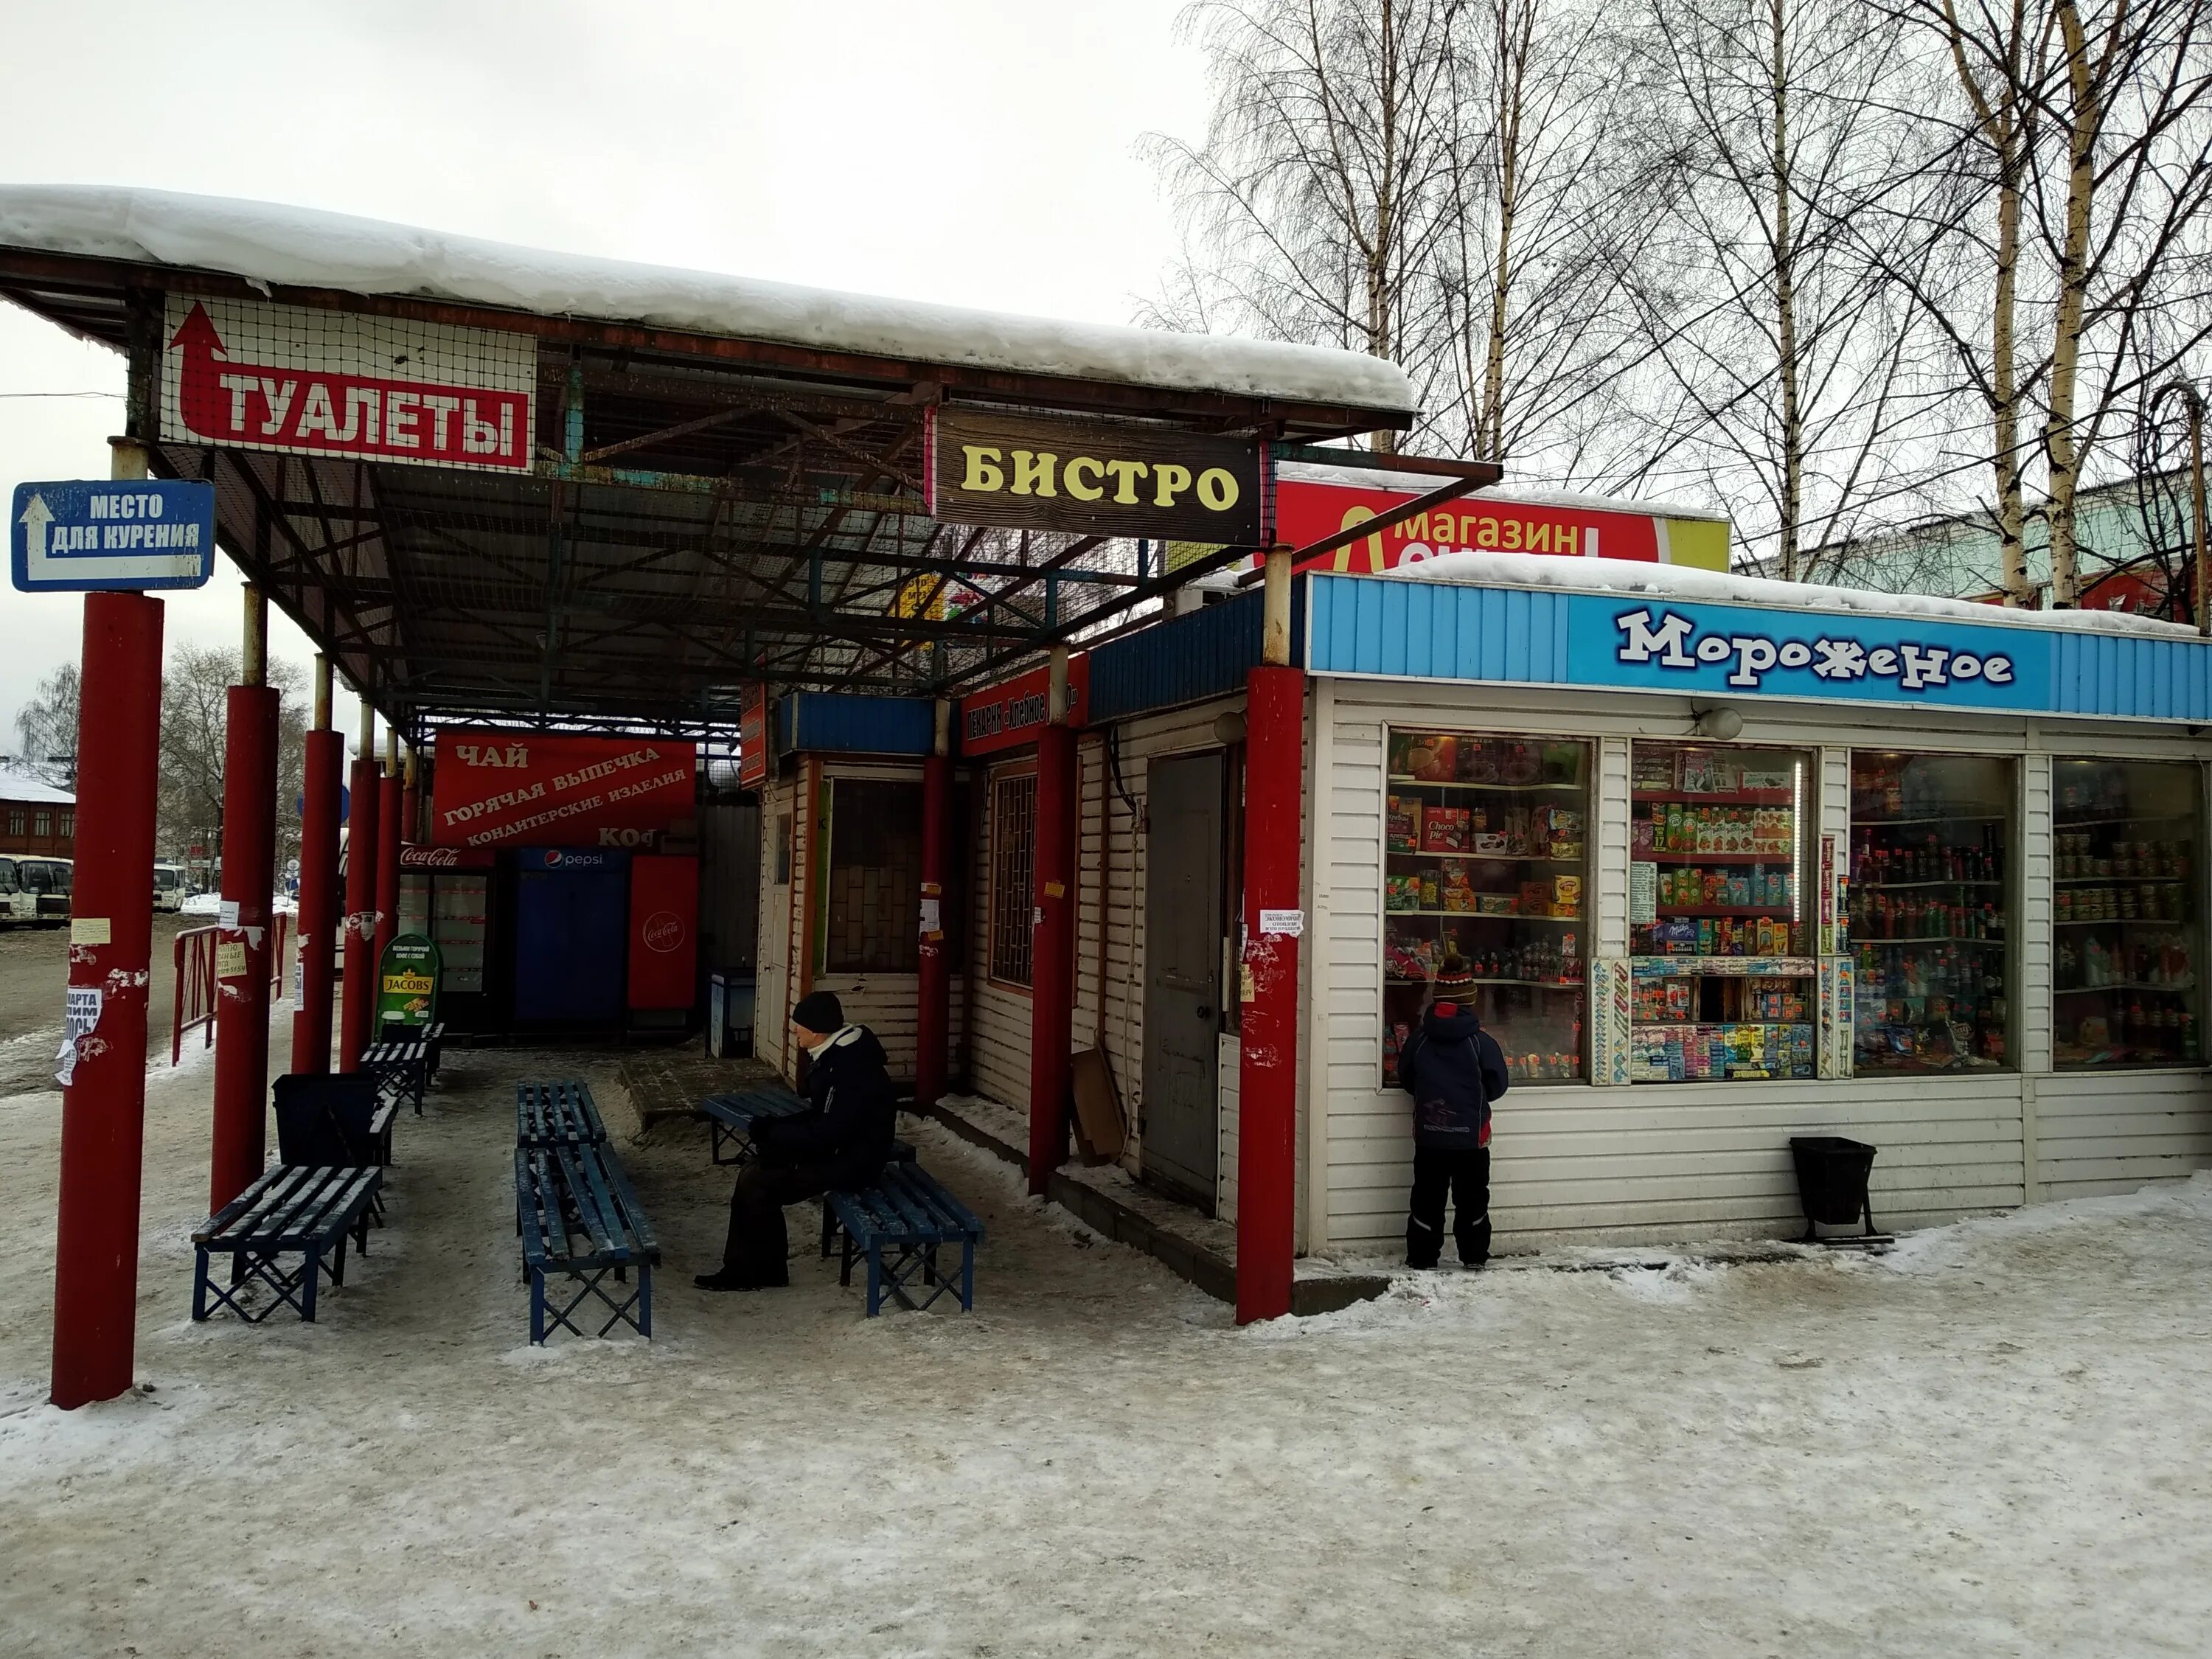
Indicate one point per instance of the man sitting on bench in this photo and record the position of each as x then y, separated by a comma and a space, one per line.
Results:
842, 1140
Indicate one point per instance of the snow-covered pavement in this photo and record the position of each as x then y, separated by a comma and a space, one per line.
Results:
1993, 1441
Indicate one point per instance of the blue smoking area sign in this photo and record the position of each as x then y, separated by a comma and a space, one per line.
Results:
86, 537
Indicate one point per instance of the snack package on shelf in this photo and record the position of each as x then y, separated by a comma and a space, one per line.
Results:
1403, 826
1445, 830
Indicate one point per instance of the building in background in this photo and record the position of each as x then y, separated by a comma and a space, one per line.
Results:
2135, 548
36, 817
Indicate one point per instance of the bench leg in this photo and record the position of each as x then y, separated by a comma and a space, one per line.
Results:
645, 1300
338, 1263
537, 1305
313, 1271
828, 1226
200, 1285
875, 1280
845, 1261
968, 1275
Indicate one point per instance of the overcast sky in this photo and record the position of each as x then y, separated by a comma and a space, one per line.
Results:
976, 152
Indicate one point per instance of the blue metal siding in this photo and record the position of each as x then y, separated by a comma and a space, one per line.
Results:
1438, 631
841, 723
1207, 653
2116, 675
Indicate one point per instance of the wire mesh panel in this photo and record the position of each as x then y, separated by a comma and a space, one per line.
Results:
1013, 855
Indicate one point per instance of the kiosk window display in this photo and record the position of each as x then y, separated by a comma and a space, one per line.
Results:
1724, 983
1932, 854
2126, 914
1484, 853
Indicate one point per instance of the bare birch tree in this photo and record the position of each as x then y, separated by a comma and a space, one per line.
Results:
1546, 222
2068, 226
1315, 202
1783, 371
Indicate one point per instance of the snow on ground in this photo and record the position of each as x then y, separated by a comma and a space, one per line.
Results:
1992, 1441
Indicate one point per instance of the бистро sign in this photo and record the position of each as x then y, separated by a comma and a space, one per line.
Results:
1095, 477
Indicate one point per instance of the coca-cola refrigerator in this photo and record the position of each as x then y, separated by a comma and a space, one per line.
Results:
446, 893
663, 938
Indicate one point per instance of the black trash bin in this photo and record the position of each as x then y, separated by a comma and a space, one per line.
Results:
1831, 1182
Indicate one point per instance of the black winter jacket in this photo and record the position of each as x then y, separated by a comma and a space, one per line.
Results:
849, 1124
1453, 1070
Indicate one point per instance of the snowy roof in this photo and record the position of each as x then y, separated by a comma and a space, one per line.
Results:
267, 243
1690, 585
1525, 495
21, 788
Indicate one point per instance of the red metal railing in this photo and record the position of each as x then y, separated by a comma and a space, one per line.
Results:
192, 1004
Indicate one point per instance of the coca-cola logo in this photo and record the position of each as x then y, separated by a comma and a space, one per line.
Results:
663, 932
429, 858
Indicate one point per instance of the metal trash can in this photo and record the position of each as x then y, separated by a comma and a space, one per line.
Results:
1831, 1182
729, 1014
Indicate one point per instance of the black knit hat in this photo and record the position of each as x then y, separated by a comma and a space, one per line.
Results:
819, 1011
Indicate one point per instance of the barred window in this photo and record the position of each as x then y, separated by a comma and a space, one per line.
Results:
68, 824
17, 819
1013, 853
42, 823
875, 877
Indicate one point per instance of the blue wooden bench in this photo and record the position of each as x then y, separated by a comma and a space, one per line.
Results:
579, 1217
899, 1224
401, 1068
729, 1120
289, 1211
558, 1114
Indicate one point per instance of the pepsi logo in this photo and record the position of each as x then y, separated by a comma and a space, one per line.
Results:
663, 931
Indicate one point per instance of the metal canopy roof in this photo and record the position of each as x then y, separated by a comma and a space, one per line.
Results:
705, 511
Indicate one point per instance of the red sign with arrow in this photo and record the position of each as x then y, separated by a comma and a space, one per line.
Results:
281, 377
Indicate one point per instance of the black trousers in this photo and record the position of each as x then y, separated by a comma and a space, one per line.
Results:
1465, 1176
758, 1249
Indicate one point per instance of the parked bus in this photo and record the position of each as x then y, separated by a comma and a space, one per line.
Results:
35, 892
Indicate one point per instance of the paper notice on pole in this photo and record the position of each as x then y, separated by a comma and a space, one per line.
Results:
1642, 894
1286, 924
90, 930
933, 917
80, 1017
227, 915
230, 959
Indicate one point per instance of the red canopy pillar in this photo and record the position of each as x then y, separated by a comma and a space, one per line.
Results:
359, 994
249, 857
319, 910
1052, 936
389, 793
934, 974
110, 943
1267, 1066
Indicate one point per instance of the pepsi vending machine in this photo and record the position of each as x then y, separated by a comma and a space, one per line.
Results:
571, 936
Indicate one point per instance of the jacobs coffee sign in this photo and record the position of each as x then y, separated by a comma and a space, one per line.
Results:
1095, 477
557, 790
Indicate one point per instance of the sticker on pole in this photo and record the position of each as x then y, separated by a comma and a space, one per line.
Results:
81, 1015
82, 537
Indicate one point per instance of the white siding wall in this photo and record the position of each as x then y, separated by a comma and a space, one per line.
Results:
1111, 870
1657, 1162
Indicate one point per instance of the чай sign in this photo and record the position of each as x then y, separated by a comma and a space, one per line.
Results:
558, 789
83, 537
256, 376
752, 736
1094, 478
